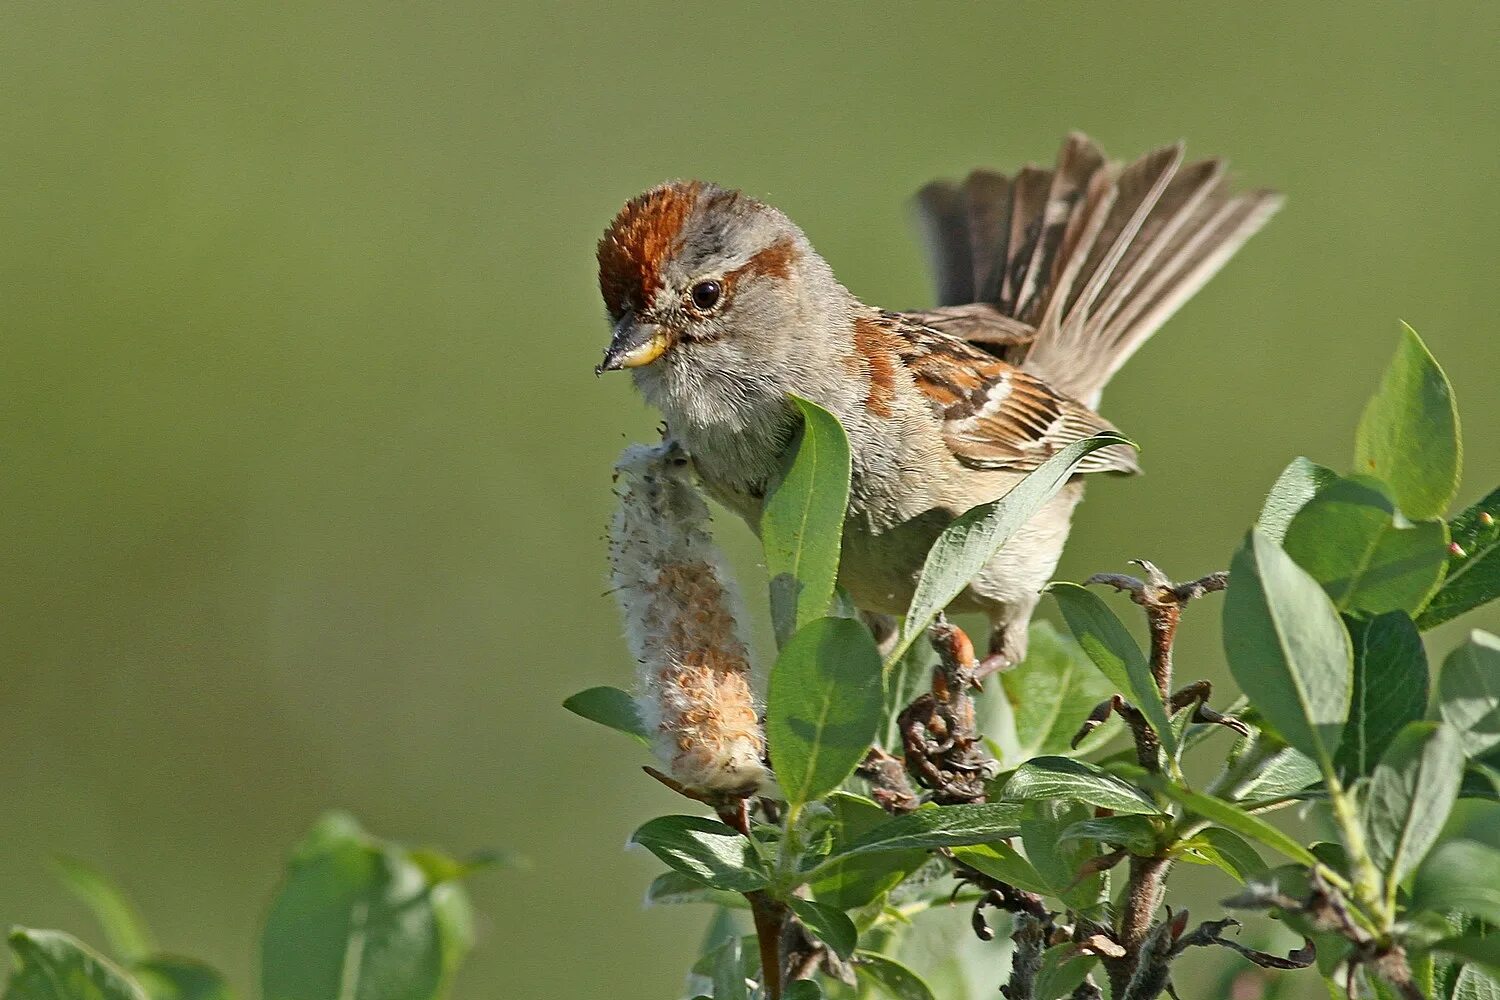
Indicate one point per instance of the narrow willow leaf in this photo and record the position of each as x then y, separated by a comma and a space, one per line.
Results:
1080, 781
1461, 875
802, 521
358, 919
51, 965
1060, 863
1224, 850
1001, 861
1137, 834
933, 826
728, 972
1469, 692
824, 707
1473, 576
123, 927
1412, 792
971, 541
1390, 689
1297, 484
1050, 695
1232, 817
1287, 648
857, 881
832, 926
705, 849
1369, 559
1284, 773
610, 707
891, 977
1063, 969
166, 977
1408, 435
1107, 642
674, 888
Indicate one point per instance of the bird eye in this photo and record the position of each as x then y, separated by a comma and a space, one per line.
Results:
706, 295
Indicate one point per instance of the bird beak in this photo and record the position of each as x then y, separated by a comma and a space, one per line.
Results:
634, 344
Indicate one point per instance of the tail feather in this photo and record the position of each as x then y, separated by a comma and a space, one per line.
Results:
1093, 257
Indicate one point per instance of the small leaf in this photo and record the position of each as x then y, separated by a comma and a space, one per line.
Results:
824, 707
1232, 817
1297, 484
894, 979
1390, 689
705, 849
857, 881
1408, 435
1285, 772
1460, 875
1050, 695
51, 965
802, 521
1287, 648
166, 977
123, 927
968, 544
1469, 692
1370, 559
1107, 642
1065, 778
1474, 983
1411, 794
1226, 851
1137, 834
673, 888
803, 989
832, 926
934, 826
1473, 576
610, 707
1001, 861
728, 972
1063, 969
1060, 864
1483, 951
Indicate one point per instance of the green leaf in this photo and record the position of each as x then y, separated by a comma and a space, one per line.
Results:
166, 977
968, 544
832, 926
705, 849
934, 826
856, 881
728, 972
1482, 950
1409, 435
1285, 772
891, 977
123, 927
802, 521
1234, 818
1058, 863
1287, 648
1473, 576
357, 918
1063, 969
51, 965
803, 989
1137, 834
1050, 695
1474, 983
1224, 850
1390, 689
1066, 778
1107, 642
1297, 484
674, 888
1001, 861
824, 707
610, 707
1370, 559
1413, 790
1460, 875
1469, 692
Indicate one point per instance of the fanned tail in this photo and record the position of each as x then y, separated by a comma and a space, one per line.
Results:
1090, 256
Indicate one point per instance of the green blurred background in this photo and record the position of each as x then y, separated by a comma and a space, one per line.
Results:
305, 467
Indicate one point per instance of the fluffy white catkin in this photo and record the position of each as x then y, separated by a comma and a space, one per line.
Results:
693, 680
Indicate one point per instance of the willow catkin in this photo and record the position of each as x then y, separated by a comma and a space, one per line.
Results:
693, 683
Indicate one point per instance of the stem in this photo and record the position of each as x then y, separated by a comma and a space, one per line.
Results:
1367, 880
770, 920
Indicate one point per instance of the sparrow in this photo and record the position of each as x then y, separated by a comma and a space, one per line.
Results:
1047, 282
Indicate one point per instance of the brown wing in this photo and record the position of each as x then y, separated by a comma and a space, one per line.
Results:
995, 415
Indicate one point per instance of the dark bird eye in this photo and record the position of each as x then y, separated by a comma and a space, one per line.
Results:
706, 295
